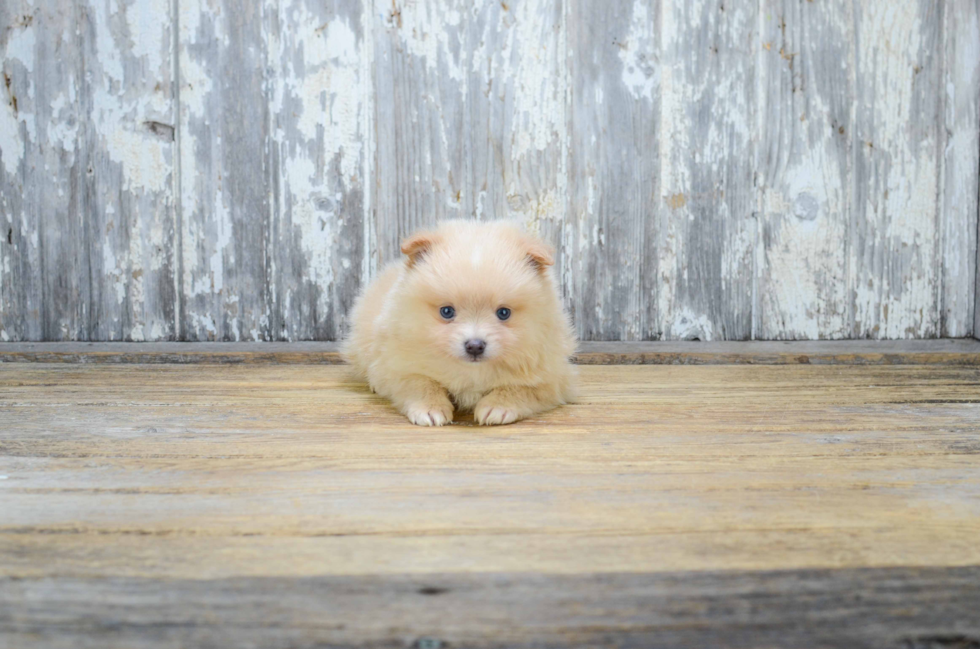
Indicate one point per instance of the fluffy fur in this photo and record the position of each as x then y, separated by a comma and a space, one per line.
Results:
415, 357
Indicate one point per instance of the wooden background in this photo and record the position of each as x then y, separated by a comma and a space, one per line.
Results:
723, 169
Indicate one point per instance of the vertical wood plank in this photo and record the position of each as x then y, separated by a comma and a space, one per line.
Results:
961, 167
895, 247
126, 150
320, 153
805, 133
470, 115
610, 237
45, 167
226, 175
88, 172
707, 232
419, 116
25, 39
65, 259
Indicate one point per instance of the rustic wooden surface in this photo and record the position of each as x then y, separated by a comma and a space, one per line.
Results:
225, 178
890, 608
86, 180
236, 171
837, 352
708, 85
608, 245
804, 160
284, 506
961, 168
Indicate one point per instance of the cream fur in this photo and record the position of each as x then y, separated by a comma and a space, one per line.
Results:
408, 353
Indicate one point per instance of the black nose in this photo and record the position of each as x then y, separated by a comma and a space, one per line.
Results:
475, 347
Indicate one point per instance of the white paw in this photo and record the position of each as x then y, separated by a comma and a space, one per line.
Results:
430, 416
494, 415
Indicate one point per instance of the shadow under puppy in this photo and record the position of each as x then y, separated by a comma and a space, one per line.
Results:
470, 319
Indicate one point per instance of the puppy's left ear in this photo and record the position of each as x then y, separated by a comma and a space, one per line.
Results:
540, 254
417, 246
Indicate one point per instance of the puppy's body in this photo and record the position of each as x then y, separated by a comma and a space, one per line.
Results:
431, 331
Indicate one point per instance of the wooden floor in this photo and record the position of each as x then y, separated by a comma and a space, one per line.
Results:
677, 506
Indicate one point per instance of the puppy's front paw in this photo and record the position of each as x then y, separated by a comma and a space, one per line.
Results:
430, 414
489, 412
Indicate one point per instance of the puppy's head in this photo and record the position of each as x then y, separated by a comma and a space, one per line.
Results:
478, 293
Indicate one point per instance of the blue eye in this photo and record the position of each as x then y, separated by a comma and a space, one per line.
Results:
447, 312
503, 313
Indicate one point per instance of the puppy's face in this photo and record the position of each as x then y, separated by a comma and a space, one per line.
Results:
477, 294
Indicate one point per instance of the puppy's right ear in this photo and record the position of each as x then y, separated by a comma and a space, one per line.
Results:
418, 246
540, 254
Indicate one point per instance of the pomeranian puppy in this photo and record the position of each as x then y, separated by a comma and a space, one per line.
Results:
470, 320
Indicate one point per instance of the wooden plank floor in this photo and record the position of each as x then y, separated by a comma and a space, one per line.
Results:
943, 351
675, 506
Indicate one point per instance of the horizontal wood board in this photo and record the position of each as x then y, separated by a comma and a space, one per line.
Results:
285, 505
855, 352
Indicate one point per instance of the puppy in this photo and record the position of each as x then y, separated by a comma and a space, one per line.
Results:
471, 319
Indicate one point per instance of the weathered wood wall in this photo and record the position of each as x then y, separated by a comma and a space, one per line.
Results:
235, 170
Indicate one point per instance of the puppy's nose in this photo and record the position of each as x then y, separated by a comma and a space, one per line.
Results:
475, 347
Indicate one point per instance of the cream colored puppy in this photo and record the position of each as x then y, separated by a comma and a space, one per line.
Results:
470, 319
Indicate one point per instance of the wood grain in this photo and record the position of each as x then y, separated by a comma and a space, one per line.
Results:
609, 261
126, 156
804, 170
961, 168
891, 608
470, 106
731, 504
895, 250
225, 171
319, 162
855, 352
707, 229
28, 40
87, 180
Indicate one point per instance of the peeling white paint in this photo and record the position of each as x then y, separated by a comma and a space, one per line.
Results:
901, 212
63, 130
221, 241
706, 131
687, 325
539, 92
195, 84
369, 259
136, 334
121, 116
11, 147
329, 89
317, 228
426, 28
205, 323
157, 332
20, 51
804, 276
961, 170
639, 55
144, 20
113, 274
490, 132
547, 207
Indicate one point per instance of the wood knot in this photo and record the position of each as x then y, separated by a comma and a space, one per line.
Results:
941, 641
432, 590
163, 131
